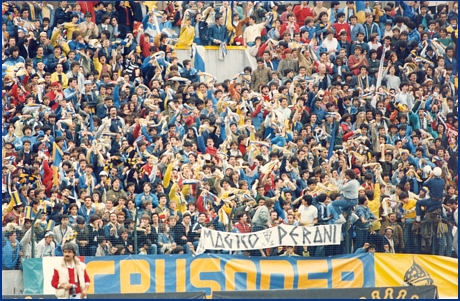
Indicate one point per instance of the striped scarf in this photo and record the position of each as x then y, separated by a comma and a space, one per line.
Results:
360, 82
222, 51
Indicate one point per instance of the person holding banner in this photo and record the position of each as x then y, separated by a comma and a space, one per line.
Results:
70, 278
307, 213
261, 218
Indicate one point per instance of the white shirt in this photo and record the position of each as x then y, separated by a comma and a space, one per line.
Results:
330, 45
308, 215
285, 112
252, 32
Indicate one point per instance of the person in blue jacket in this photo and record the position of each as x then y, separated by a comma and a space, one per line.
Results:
408, 8
217, 33
11, 251
147, 195
435, 185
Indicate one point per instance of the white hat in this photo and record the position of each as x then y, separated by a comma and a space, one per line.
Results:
437, 172
103, 173
427, 169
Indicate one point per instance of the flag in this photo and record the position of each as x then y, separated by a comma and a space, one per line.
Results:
67, 121
229, 23
380, 74
91, 123
57, 159
198, 60
8, 182
222, 51
50, 225
15, 200
31, 108
38, 275
28, 212
331, 144
190, 182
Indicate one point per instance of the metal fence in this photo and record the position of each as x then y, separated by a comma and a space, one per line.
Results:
153, 232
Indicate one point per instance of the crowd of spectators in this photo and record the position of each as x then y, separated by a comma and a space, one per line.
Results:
108, 138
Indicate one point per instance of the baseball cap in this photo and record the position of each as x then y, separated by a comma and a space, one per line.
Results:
49, 234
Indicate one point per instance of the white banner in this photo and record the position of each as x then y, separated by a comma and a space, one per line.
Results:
282, 235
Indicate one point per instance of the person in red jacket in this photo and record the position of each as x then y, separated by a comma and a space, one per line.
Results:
242, 224
210, 149
53, 94
301, 12
88, 6
70, 278
290, 26
342, 25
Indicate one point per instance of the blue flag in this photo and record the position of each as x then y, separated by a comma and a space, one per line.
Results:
198, 62
57, 159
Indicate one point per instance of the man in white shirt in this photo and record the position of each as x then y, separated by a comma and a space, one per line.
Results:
284, 111
404, 97
253, 31
308, 213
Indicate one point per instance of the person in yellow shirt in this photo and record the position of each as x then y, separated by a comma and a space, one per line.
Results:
374, 206
408, 207
59, 76
71, 26
187, 33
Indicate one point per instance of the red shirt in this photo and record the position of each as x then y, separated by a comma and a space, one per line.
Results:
243, 227
88, 6
301, 14
55, 281
147, 169
338, 27
212, 151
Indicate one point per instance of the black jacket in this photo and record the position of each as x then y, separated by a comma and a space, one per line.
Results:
203, 32
122, 18
137, 10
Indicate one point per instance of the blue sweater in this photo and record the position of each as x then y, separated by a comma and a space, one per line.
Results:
10, 257
217, 33
436, 187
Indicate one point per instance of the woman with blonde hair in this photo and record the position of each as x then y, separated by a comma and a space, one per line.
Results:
360, 119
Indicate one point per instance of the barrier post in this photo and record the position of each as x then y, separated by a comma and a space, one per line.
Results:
32, 232
135, 233
347, 231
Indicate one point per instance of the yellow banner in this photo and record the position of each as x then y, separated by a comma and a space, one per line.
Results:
403, 269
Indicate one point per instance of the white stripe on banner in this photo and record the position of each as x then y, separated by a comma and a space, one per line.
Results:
282, 235
48, 265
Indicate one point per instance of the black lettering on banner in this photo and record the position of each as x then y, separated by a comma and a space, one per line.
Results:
251, 242
318, 238
219, 241
293, 235
243, 242
228, 241
281, 235
238, 242
327, 235
305, 235
207, 234
334, 235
